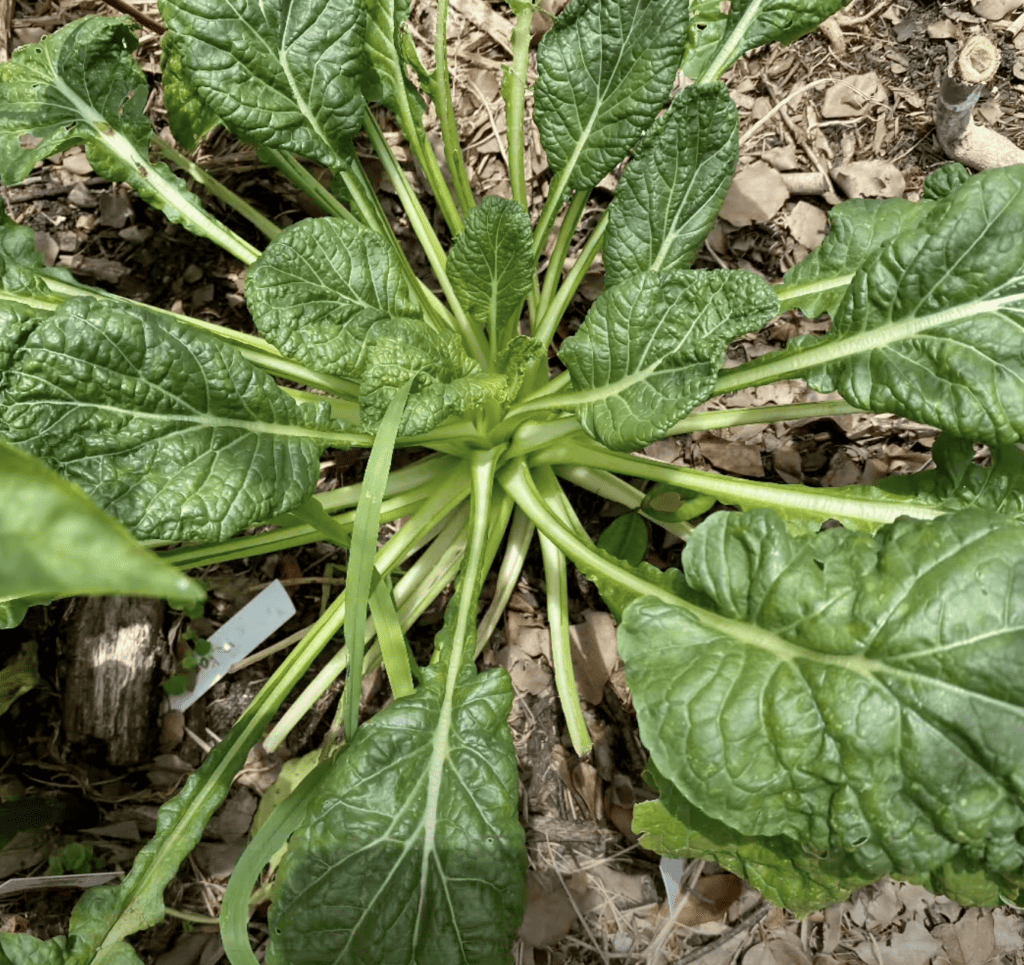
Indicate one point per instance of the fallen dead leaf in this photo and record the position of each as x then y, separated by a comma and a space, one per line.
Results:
870, 179
757, 193
852, 96
594, 654
549, 913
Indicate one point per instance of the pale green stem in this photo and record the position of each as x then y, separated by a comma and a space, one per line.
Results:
760, 415
520, 533
566, 233
730, 48
557, 586
472, 337
290, 167
537, 435
553, 314
790, 295
446, 113
617, 490
804, 501
216, 188
550, 211
393, 553
192, 215
473, 569
515, 101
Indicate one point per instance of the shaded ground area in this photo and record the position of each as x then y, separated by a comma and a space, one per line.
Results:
844, 112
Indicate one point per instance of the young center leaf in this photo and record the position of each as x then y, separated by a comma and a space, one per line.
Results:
318, 289
491, 266
278, 74
605, 69
859, 695
446, 381
167, 429
650, 349
53, 535
668, 199
413, 851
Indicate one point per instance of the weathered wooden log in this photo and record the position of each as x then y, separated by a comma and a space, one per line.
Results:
112, 691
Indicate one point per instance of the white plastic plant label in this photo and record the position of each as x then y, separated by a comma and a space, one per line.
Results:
671, 875
237, 638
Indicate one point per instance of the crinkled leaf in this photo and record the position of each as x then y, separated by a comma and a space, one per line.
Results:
752, 23
650, 349
22, 949
413, 851
605, 69
957, 483
706, 29
783, 871
189, 118
446, 381
932, 327
944, 181
21, 265
858, 228
668, 199
859, 695
53, 535
318, 289
491, 266
167, 429
280, 74
65, 90
387, 49
81, 85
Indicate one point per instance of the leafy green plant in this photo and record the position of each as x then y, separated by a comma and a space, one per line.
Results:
822, 705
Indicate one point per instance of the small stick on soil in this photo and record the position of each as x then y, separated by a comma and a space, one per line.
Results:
960, 138
124, 6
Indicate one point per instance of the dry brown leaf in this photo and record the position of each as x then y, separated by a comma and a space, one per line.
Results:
807, 223
853, 96
594, 654
549, 913
777, 951
757, 193
870, 179
912, 946
971, 941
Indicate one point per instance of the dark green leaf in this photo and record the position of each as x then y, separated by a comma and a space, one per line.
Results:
414, 851
752, 23
53, 535
167, 429
650, 349
858, 229
668, 199
627, 538
81, 85
957, 483
933, 325
279, 74
491, 266
944, 181
783, 871
189, 118
859, 695
21, 265
318, 289
21, 949
605, 69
